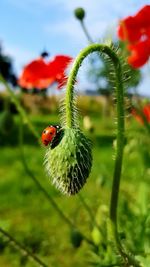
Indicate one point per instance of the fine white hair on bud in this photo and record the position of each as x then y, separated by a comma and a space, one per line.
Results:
69, 163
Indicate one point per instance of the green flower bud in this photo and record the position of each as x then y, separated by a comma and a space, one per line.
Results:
69, 163
76, 238
79, 13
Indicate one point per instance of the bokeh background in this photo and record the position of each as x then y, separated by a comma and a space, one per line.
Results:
56, 228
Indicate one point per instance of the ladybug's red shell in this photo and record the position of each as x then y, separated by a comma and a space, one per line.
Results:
48, 134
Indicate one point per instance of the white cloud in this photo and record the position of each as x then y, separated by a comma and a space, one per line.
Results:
68, 28
73, 32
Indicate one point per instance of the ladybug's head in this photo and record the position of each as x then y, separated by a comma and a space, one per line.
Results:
49, 134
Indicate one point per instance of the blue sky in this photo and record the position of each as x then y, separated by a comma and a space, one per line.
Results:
27, 27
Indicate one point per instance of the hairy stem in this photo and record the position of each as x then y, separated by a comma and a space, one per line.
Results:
22, 248
119, 91
120, 113
120, 122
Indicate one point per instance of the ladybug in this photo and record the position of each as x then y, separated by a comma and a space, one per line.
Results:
50, 135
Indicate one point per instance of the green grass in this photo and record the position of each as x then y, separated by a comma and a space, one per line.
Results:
27, 215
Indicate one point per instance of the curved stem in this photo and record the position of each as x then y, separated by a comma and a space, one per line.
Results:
120, 113
119, 90
22, 248
120, 118
73, 74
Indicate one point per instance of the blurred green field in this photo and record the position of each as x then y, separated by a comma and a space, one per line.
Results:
28, 216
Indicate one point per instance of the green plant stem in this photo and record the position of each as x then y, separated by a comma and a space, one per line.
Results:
119, 90
22, 248
89, 38
120, 113
73, 74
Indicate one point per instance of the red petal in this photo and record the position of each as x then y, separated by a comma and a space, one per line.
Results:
137, 116
140, 53
34, 75
128, 30
133, 28
58, 67
143, 16
145, 111
59, 64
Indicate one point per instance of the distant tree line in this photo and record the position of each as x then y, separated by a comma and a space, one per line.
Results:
6, 68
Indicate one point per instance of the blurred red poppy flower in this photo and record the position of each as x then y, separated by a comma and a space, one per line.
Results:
139, 53
145, 111
135, 30
40, 74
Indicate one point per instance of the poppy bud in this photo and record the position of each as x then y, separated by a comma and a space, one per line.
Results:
69, 163
76, 238
79, 13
